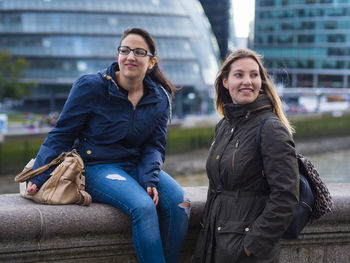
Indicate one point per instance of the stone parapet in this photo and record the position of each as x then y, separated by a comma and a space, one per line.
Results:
31, 232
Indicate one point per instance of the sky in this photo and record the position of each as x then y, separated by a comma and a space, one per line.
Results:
243, 13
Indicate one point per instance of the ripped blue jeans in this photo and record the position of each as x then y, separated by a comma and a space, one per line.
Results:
155, 239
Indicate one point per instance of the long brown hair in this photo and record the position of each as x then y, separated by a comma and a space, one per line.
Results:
223, 95
156, 74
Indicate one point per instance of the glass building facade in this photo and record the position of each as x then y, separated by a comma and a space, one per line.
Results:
305, 43
64, 39
218, 13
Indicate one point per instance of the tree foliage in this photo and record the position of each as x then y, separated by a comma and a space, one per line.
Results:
11, 76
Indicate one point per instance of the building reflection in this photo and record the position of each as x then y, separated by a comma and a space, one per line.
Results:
65, 39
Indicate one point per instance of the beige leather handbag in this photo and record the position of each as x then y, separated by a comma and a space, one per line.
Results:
66, 184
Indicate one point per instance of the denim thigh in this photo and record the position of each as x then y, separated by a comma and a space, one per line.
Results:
116, 185
112, 184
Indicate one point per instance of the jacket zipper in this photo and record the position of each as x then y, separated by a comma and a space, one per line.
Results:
214, 140
234, 154
131, 127
132, 118
212, 144
257, 109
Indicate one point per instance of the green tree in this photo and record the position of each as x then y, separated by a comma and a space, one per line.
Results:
11, 74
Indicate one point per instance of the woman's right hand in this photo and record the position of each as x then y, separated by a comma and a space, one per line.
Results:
31, 188
153, 193
247, 252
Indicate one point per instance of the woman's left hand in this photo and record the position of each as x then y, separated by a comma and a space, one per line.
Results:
31, 188
248, 253
152, 191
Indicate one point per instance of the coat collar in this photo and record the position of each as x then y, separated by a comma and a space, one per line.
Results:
236, 112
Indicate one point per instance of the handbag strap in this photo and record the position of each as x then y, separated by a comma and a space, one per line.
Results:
85, 198
28, 174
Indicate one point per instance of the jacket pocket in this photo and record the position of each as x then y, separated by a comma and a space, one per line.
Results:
229, 241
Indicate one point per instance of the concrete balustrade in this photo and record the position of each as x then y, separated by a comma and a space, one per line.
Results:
31, 232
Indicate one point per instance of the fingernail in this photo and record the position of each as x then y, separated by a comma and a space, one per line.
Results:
31, 190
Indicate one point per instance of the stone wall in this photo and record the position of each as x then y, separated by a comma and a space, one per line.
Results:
31, 232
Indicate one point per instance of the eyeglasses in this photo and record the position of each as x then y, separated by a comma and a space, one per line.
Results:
138, 52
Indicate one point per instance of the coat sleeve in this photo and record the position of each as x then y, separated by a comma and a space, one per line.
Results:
153, 152
72, 118
281, 171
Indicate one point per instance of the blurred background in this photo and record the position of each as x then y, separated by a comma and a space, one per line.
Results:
45, 45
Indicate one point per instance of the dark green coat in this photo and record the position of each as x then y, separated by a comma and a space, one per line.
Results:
246, 207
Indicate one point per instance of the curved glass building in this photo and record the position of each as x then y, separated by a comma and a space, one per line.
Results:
305, 43
218, 13
64, 39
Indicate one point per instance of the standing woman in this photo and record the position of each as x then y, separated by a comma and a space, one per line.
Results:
117, 120
252, 194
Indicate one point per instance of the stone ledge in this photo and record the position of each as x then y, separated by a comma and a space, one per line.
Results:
31, 232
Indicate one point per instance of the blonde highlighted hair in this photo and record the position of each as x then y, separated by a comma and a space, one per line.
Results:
223, 95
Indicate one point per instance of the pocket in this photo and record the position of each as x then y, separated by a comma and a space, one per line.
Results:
229, 240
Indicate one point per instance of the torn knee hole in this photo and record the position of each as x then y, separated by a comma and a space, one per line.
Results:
185, 204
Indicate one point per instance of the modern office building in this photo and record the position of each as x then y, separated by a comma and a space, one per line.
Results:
218, 13
305, 43
64, 39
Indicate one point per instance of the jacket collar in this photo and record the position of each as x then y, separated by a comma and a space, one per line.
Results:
113, 89
236, 112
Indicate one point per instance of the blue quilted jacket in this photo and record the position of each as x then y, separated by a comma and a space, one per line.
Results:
103, 125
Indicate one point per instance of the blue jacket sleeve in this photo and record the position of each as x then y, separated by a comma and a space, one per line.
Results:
72, 118
153, 153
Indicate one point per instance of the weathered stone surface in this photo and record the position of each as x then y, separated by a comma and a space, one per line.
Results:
31, 232
326, 239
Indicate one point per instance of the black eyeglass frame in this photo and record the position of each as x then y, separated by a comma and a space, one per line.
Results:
133, 50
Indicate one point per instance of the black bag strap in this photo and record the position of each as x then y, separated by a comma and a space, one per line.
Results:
258, 133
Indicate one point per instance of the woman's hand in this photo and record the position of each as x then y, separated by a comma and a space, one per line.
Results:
248, 253
31, 188
152, 191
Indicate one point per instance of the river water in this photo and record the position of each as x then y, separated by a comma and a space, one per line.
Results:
333, 167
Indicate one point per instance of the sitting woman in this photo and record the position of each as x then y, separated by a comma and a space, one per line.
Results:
118, 121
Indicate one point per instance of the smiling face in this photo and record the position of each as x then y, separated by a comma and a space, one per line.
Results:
133, 67
243, 81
